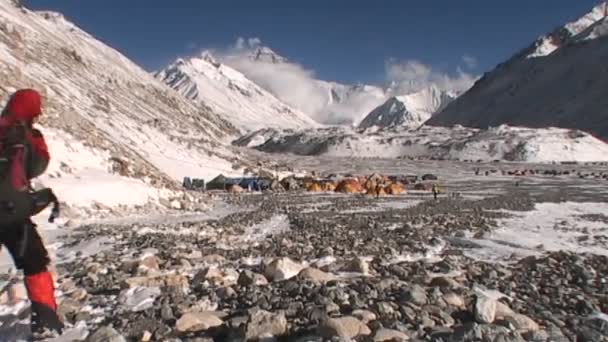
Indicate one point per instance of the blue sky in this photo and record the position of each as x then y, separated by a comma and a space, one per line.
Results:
342, 40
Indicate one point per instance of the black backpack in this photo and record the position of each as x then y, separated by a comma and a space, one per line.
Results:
18, 201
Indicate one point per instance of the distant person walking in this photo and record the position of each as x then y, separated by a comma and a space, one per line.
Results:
435, 190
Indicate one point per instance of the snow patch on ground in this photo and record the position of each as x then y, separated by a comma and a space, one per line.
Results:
253, 234
276, 225
550, 227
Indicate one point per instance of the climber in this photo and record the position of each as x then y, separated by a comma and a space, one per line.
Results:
435, 191
23, 156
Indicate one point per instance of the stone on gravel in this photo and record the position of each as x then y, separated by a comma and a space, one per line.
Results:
384, 334
247, 278
416, 294
453, 299
148, 265
166, 312
444, 282
282, 269
219, 277
503, 311
263, 324
146, 336
215, 259
522, 323
78, 294
364, 315
344, 327
384, 309
16, 293
485, 309
197, 321
358, 265
167, 280
105, 334
68, 306
315, 275
484, 332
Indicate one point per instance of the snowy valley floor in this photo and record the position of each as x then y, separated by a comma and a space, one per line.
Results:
526, 262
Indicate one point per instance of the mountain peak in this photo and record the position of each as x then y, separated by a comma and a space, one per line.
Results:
207, 56
410, 110
549, 43
266, 55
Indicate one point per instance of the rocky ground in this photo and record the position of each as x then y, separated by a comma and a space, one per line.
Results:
301, 267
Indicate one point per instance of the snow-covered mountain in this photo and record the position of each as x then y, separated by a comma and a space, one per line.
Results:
410, 110
560, 80
454, 143
110, 124
228, 92
266, 55
326, 102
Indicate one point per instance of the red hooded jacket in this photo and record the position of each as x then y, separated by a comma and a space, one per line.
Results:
25, 106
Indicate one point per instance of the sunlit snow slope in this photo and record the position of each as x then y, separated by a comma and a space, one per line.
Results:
229, 93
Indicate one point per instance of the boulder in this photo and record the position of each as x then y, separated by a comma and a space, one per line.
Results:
197, 321
384, 334
358, 265
263, 324
453, 299
416, 294
105, 334
247, 278
344, 327
282, 269
365, 316
485, 309
218, 276
315, 275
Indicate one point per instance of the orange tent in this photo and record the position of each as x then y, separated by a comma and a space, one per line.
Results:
395, 189
349, 186
314, 187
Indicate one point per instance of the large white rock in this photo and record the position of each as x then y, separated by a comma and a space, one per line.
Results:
282, 269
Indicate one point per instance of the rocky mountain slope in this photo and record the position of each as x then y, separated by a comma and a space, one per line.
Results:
560, 80
109, 122
231, 94
428, 142
410, 110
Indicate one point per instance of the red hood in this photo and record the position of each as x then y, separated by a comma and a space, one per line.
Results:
24, 105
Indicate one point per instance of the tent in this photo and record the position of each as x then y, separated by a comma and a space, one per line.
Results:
217, 183
194, 184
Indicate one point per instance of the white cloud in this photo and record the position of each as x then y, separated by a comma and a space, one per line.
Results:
411, 76
469, 61
297, 86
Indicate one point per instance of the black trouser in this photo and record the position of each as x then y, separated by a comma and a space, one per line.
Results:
26, 247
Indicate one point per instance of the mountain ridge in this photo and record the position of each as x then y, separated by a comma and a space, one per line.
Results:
410, 110
240, 101
564, 88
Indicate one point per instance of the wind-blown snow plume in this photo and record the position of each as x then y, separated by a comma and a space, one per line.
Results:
331, 102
